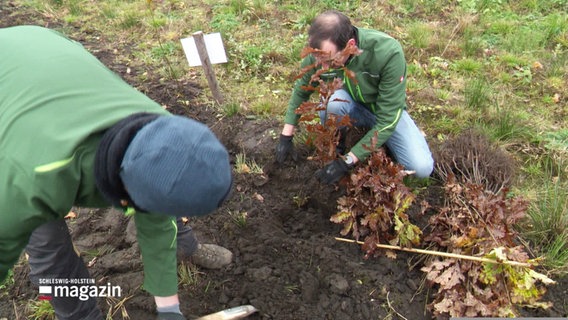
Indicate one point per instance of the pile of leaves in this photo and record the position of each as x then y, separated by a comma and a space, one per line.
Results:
479, 223
477, 220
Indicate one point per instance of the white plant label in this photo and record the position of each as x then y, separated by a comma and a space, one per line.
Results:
213, 44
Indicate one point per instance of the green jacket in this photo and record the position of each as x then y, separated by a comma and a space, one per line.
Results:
56, 101
380, 72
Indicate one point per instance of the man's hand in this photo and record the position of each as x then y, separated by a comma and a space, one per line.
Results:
284, 148
170, 316
333, 171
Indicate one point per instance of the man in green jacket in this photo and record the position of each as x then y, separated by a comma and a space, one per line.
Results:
376, 100
72, 133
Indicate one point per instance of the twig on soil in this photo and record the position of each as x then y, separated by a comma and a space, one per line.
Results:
393, 310
15, 309
92, 262
118, 306
442, 254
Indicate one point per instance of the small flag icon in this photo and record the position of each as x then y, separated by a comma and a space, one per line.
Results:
44, 293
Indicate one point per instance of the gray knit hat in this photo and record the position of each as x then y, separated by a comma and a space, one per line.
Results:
176, 166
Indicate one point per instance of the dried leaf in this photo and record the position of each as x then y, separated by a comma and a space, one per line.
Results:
71, 215
390, 254
341, 217
258, 197
541, 277
537, 65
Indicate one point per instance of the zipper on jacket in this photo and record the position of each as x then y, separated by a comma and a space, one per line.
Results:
359, 94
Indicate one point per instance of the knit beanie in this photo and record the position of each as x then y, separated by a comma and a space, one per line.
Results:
176, 166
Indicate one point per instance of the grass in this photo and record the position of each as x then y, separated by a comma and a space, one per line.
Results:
97, 252
244, 165
239, 218
41, 310
188, 274
117, 306
300, 200
476, 94
549, 221
501, 66
7, 284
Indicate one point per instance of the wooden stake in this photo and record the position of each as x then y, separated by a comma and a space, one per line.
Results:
207, 68
442, 254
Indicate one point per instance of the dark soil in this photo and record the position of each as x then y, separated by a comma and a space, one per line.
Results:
287, 263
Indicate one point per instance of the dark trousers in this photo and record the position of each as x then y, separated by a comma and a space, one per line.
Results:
52, 256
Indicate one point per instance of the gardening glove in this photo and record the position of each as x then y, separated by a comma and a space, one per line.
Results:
170, 316
332, 172
284, 148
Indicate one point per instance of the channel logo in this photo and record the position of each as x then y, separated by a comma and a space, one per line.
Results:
76, 288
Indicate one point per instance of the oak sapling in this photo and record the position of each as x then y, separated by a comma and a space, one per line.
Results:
324, 137
374, 207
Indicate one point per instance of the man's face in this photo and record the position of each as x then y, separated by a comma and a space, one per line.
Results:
328, 46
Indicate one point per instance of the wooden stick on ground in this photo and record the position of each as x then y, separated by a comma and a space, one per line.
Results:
442, 254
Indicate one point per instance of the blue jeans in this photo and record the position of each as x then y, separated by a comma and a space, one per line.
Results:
407, 144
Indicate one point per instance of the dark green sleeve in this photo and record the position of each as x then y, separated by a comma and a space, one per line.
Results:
18, 215
391, 101
299, 95
10, 250
158, 245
